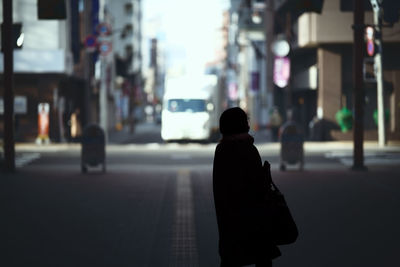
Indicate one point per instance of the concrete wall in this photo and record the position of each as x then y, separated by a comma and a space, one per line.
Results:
329, 82
334, 26
394, 124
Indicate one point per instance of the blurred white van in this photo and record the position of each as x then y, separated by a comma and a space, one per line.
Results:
189, 111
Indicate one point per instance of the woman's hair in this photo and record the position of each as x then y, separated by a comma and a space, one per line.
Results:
233, 121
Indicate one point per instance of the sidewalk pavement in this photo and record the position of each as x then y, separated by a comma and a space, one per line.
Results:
262, 139
119, 137
143, 133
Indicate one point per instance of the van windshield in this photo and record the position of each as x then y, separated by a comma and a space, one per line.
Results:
186, 105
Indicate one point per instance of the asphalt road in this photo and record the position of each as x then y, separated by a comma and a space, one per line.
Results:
154, 207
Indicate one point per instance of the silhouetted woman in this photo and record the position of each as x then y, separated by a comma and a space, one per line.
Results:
239, 190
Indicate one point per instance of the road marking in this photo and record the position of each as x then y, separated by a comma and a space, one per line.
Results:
373, 161
153, 146
184, 248
25, 158
370, 158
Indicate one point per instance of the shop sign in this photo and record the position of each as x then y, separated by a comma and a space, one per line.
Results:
280, 48
255, 81
43, 120
233, 92
281, 71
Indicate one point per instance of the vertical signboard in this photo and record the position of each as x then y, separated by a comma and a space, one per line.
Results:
281, 71
43, 122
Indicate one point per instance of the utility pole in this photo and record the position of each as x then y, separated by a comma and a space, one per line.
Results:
104, 38
87, 63
358, 135
103, 97
269, 35
288, 34
379, 72
9, 149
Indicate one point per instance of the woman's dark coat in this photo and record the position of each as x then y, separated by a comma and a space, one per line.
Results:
239, 191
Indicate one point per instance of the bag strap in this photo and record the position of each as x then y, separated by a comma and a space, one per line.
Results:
267, 167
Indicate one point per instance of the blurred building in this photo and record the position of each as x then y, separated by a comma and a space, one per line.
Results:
125, 18
322, 65
153, 87
59, 46
246, 62
221, 66
318, 65
43, 59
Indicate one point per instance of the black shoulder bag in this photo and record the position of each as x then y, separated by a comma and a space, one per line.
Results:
283, 227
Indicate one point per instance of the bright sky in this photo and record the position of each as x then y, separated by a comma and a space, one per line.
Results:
187, 28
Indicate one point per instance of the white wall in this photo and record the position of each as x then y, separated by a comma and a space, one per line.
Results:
39, 34
50, 37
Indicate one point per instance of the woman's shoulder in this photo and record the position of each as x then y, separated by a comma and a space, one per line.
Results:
236, 148
221, 147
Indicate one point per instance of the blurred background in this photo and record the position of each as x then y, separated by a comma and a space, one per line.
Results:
136, 87
108, 62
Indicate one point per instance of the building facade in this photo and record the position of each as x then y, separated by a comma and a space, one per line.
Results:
322, 69
125, 18
320, 38
59, 60
43, 58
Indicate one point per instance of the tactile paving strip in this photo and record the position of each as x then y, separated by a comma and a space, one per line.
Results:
184, 248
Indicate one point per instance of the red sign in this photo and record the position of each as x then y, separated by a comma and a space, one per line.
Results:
43, 120
91, 43
103, 29
370, 48
369, 34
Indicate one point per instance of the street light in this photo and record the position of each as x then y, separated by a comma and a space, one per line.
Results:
256, 17
20, 40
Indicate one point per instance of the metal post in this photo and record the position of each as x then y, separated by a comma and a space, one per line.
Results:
269, 35
288, 33
358, 136
87, 67
103, 97
379, 74
9, 149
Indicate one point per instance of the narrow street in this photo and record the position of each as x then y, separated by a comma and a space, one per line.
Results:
135, 82
154, 207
